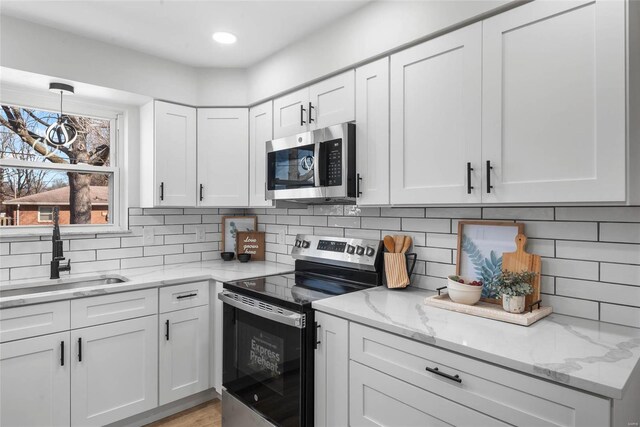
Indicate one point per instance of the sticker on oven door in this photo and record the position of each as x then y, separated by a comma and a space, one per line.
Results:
265, 357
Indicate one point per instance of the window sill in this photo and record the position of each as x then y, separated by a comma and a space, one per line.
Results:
13, 232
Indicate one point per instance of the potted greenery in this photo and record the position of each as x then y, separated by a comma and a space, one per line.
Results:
513, 288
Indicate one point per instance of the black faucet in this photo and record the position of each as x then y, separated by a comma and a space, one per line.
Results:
57, 252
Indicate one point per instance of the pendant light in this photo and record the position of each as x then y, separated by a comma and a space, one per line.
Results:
61, 133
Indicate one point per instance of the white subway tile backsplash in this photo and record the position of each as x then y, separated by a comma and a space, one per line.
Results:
4, 248
94, 266
426, 225
179, 238
163, 211
146, 220
103, 254
611, 252
361, 233
294, 229
548, 285
620, 232
344, 221
182, 219
570, 268
328, 210
438, 240
168, 229
439, 269
180, 258
571, 306
541, 247
320, 221
620, 273
518, 213
328, 231
11, 261
460, 213
607, 214
201, 247
150, 261
361, 211
85, 244
381, 223
402, 212
288, 219
163, 250
562, 230
623, 315
4, 274
31, 272
31, 247
598, 291
433, 254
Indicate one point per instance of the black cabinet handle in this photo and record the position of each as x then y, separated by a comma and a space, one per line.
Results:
316, 335
162, 191
186, 296
166, 329
61, 353
310, 110
469, 186
358, 192
302, 110
79, 349
436, 371
201, 189
489, 168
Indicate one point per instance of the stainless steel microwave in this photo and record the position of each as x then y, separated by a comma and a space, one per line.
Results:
314, 167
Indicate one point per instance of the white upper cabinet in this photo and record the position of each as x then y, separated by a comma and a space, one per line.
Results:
260, 131
436, 96
554, 103
223, 157
175, 155
372, 132
291, 113
332, 101
327, 103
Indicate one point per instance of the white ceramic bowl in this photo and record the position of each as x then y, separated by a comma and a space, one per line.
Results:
462, 293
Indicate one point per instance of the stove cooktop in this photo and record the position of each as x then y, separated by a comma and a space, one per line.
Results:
295, 291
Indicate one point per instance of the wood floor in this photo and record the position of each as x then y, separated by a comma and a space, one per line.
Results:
208, 414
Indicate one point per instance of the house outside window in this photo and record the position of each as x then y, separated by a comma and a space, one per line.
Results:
81, 178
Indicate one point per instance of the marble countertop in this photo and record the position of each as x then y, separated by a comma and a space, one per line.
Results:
598, 357
141, 278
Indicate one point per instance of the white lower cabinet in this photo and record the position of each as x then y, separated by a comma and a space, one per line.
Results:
331, 372
368, 377
183, 353
34, 385
114, 371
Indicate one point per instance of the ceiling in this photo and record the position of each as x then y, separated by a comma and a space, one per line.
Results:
180, 30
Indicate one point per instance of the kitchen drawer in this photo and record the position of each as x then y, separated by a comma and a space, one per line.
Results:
377, 399
509, 396
112, 308
184, 296
31, 320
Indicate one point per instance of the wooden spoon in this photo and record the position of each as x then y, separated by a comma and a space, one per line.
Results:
399, 243
407, 244
389, 243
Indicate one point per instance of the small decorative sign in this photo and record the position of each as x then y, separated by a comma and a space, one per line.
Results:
251, 242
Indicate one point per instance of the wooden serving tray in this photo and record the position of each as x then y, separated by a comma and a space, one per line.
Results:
489, 310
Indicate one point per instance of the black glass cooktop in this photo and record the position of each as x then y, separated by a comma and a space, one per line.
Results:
295, 291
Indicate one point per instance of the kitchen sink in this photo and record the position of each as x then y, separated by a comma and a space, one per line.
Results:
71, 284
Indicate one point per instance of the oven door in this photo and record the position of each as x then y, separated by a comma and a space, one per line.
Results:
293, 167
263, 357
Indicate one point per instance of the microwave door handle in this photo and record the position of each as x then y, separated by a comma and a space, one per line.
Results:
317, 164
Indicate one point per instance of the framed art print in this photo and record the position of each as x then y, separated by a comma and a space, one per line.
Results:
230, 227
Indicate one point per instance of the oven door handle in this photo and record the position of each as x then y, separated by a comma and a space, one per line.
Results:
287, 317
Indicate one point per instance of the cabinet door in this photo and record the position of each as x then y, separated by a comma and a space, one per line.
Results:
435, 119
291, 113
377, 399
175, 155
260, 131
34, 381
372, 132
554, 103
332, 372
114, 371
332, 101
223, 154
184, 353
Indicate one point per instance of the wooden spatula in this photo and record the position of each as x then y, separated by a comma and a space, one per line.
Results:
399, 243
389, 244
407, 244
519, 261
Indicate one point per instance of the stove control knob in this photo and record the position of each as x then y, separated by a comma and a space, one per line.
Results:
351, 249
305, 244
370, 251
298, 243
359, 250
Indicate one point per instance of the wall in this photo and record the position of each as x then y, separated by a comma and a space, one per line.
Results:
591, 255
371, 31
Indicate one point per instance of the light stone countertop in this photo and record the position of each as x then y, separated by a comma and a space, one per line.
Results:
141, 278
598, 357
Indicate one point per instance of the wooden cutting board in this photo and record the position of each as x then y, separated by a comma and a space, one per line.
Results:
522, 261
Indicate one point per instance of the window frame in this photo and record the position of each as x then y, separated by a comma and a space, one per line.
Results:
117, 189
40, 213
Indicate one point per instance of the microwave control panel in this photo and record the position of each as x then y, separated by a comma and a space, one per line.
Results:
334, 162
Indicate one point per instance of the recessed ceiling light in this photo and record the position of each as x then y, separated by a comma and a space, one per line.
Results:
224, 37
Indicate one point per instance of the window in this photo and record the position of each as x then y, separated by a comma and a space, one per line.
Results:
81, 178
45, 214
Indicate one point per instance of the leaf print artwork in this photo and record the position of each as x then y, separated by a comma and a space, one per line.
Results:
486, 269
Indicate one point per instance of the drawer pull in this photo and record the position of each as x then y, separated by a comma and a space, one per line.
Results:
436, 371
79, 349
166, 329
61, 353
187, 296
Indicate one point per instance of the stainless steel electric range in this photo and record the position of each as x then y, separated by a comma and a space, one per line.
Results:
270, 335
